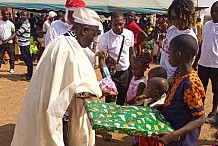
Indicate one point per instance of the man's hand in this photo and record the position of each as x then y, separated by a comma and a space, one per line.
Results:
165, 137
101, 54
4, 42
106, 92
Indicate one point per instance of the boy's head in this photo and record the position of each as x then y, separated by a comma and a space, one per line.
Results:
156, 87
157, 72
182, 49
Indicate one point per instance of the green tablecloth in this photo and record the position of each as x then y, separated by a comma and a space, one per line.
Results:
132, 120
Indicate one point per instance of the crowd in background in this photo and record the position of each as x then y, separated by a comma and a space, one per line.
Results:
130, 44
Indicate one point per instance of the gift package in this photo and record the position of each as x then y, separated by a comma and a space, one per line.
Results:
131, 120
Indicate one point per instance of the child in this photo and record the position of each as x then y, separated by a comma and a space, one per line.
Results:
41, 44
137, 84
33, 48
156, 87
157, 72
183, 107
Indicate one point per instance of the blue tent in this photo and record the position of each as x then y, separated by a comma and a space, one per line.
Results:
140, 6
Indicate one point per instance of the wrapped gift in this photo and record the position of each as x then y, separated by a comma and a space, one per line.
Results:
132, 120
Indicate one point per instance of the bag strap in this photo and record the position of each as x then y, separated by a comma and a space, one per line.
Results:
121, 48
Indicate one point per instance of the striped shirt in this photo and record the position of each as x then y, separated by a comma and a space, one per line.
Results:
24, 34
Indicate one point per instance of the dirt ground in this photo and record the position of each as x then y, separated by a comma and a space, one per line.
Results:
12, 90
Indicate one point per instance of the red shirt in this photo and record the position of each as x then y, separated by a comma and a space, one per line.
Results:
135, 29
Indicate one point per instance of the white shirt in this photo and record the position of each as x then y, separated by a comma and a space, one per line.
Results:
6, 28
46, 25
171, 33
209, 49
111, 43
57, 28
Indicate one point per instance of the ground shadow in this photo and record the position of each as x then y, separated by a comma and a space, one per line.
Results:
6, 134
13, 77
101, 142
202, 142
21, 63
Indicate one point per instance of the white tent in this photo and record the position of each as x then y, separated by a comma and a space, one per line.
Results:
142, 6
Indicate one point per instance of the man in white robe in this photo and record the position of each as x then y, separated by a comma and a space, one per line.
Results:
64, 71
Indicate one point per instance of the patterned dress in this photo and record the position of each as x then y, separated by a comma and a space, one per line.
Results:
184, 101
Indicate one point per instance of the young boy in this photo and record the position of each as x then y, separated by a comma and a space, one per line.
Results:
156, 87
183, 107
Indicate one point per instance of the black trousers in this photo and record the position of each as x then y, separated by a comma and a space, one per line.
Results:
206, 73
9, 47
121, 79
27, 58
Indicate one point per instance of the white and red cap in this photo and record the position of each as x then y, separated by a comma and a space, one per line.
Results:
86, 16
71, 5
52, 14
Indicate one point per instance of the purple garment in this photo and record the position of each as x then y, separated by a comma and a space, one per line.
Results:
189, 139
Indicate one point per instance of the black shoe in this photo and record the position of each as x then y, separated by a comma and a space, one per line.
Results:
108, 137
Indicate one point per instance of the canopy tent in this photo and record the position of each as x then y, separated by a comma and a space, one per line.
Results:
140, 6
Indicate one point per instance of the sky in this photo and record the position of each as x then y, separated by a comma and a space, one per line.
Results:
206, 3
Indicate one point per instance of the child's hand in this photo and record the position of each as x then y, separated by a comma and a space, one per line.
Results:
165, 137
140, 97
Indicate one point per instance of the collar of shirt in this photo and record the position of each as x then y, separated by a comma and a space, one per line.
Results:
114, 34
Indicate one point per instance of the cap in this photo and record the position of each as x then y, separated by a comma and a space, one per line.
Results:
86, 16
73, 4
52, 14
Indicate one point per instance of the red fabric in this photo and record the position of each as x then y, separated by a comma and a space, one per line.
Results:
75, 4
148, 141
135, 29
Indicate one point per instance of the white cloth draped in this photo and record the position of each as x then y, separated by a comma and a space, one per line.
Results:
63, 70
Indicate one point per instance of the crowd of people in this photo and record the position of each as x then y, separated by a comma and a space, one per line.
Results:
66, 48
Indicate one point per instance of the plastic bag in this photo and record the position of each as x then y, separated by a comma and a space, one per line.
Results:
108, 86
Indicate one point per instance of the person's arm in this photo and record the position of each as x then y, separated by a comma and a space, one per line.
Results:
10, 38
22, 29
141, 38
131, 55
142, 35
12, 35
195, 95
195, 64
168, 137
103, 46
132, 50
139, 92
